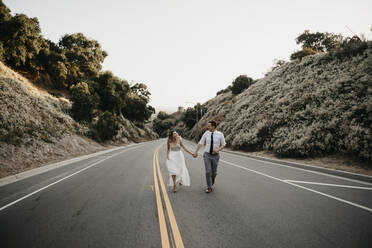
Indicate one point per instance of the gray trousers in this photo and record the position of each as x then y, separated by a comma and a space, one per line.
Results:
211, 163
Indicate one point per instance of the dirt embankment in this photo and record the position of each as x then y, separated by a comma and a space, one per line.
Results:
36, 128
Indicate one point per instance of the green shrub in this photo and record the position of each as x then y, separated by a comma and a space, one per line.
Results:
162, 115
162, 127
189, 117
240, 84
319, 42
84, 103
107, 126
351, 47
136, 109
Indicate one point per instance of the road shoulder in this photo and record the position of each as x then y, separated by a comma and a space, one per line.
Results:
311, 164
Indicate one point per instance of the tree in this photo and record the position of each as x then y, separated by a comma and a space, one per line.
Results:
313, 43
84, 103
52, 61
141, 90
150, 111
107, 126
4, 13
113, 92
4, 17
162, 115
200, 110
162, 127
21, 40
82, 57
189, 117
319, 42
136, 109
241, 83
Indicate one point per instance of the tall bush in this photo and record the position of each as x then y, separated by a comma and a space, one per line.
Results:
241, 83
84, 102
107, 126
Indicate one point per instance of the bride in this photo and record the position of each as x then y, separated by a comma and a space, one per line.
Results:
178, 172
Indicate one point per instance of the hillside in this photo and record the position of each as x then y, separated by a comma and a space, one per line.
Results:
321, 105
36, 128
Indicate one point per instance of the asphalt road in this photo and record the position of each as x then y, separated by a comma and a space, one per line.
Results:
117, 200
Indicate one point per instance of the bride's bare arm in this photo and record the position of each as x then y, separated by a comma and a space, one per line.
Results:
168, 150
184, 147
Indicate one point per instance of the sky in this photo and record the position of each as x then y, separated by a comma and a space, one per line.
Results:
186, 51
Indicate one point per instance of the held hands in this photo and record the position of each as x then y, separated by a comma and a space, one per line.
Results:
195, 154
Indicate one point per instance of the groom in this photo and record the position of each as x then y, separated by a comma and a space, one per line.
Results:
214, 142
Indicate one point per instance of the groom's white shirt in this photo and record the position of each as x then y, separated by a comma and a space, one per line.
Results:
218, 140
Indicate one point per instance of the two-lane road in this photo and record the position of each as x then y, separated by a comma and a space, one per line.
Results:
117, 200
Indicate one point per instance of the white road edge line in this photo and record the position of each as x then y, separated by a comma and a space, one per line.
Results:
301, 169
329, 184
62, 179
333, 197
45, 168
302, 187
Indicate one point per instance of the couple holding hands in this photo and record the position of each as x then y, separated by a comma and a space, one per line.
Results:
214, 142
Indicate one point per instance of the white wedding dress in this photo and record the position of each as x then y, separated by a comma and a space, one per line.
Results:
176, 165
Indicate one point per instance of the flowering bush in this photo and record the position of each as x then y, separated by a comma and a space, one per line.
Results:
313, 107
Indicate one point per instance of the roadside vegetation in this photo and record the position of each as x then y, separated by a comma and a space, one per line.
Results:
72, 68
317, 104
55, 100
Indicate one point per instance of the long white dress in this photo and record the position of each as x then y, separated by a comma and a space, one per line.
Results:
176, 165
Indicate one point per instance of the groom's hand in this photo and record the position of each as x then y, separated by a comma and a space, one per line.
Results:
216, 151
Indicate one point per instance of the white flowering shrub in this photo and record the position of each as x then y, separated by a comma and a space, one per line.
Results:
313, 107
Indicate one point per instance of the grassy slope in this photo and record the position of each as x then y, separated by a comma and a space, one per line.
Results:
35, 127
319, 106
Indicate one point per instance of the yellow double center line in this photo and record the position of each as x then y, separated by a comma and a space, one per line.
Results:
175, 235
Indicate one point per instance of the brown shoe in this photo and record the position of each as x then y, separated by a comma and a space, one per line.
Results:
208, 190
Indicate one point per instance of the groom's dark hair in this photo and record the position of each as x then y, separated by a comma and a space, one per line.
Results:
213, 123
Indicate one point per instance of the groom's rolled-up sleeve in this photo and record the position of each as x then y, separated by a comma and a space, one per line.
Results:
203, 138
223, 142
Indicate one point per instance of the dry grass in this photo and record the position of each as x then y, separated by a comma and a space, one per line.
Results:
36, 128
6, 72
316, 108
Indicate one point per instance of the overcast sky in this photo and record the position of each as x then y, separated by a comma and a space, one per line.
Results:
185, 51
